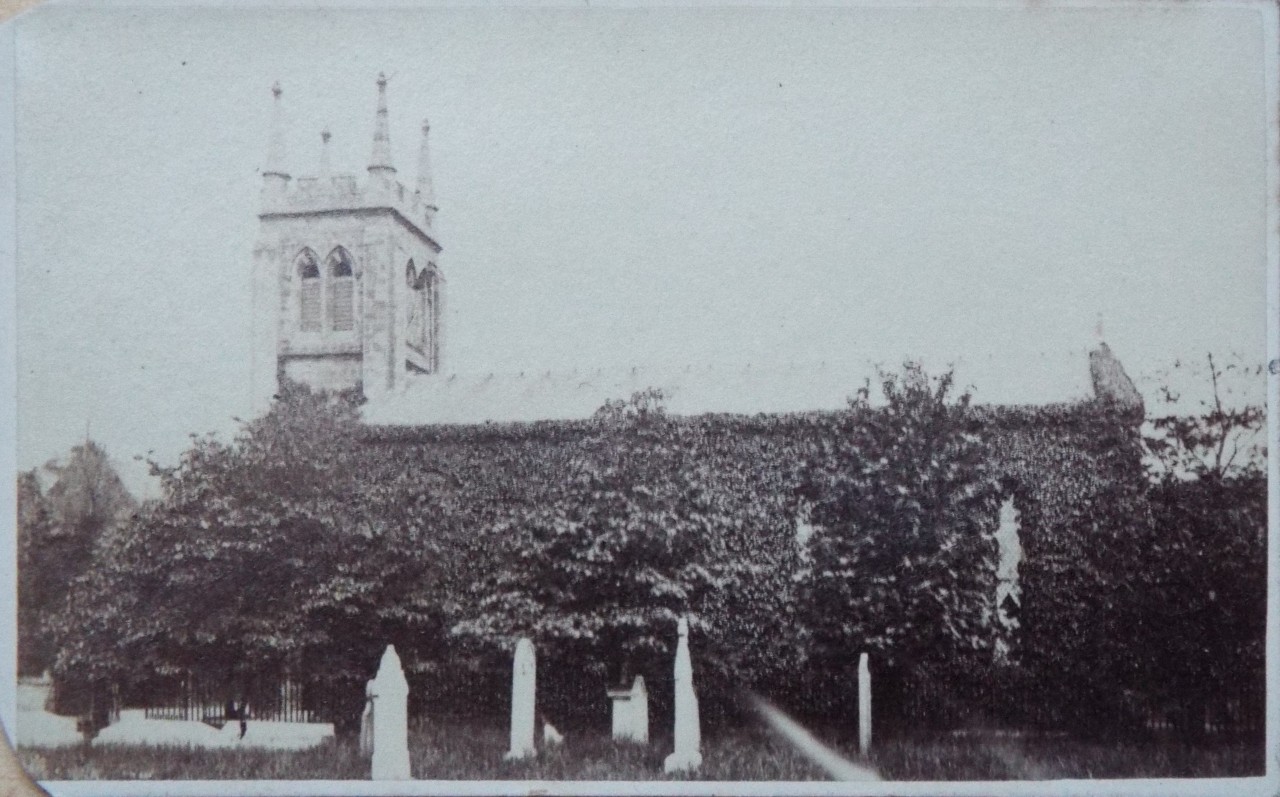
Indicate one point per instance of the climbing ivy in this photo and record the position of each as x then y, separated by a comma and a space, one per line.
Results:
311, 540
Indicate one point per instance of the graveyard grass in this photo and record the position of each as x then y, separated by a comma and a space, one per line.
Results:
472, 750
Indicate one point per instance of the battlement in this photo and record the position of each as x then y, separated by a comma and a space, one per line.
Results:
347, 193
348, 288
326, 192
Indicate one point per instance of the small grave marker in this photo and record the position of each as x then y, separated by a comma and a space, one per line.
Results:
631, 712
864, 704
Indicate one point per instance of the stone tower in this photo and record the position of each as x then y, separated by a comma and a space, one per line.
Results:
348, 292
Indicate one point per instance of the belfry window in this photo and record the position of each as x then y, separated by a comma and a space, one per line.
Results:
341, 290
413, 314
430, 294
309, 293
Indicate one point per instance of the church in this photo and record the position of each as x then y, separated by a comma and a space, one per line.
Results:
349, 293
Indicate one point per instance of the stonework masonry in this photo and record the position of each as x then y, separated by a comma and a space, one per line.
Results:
348, 291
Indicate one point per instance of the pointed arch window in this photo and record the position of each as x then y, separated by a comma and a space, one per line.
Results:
308, 268
413, 308
341, 310
431, 318
1009, 557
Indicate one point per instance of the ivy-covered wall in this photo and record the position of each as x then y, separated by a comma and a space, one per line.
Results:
1073, 472
313, 540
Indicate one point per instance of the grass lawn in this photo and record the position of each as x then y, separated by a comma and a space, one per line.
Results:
1040, 758
458, 751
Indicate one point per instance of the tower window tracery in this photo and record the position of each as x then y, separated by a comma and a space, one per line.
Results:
413, 315
308, 269
430, 297
341, 290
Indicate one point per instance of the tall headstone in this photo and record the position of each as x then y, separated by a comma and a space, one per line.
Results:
864, 704
524, 695
366, 720
390, 694
688, 730
631, 712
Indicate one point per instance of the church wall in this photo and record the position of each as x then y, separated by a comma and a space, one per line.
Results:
374, 352
1057, 458
328, 370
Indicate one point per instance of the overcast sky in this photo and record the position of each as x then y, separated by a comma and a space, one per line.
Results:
648, 187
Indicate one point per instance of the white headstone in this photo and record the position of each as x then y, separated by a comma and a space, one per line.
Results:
551, 736
524, 689
688, 741
366, 720
864, 704
631, 712
390, 693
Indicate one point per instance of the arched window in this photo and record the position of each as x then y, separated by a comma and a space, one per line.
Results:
341, 290
1009, 556
308, 268
413, 314
431, 319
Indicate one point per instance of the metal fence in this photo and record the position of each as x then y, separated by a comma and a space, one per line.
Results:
186, 698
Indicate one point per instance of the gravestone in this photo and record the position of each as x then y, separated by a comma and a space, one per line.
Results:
524, 689
366, 720
864, 704
550, 736
631, 712
688, 741
390, 719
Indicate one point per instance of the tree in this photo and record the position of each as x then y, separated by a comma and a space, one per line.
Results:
37, 591
1206, 573
902, 558
57, 534
266, 556
640, 522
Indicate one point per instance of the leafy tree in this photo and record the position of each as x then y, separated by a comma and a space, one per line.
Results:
1217, 440
644, 521
265, 556
37, 592
1206, 578
57, 534
902, 561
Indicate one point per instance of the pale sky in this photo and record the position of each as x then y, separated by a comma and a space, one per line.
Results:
648, 187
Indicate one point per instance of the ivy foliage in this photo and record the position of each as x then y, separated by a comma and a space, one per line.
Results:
791, 542
902, 562
642, 520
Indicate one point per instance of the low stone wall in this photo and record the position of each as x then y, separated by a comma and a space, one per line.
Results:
135, 728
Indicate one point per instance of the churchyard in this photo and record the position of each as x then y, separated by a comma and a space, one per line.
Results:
462, 749
640, 597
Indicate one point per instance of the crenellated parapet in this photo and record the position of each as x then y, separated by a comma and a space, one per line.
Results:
346, 193
348, 290
323, 192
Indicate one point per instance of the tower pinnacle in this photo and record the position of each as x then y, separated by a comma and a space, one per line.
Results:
325, 135
426, 192
380, 160
274, 170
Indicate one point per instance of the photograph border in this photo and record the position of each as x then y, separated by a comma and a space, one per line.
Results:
1267, 784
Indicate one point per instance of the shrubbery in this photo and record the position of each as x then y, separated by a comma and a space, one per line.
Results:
311, 541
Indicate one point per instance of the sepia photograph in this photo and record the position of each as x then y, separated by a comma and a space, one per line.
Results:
805, 399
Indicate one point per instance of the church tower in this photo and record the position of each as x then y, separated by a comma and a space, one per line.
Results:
347, 288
